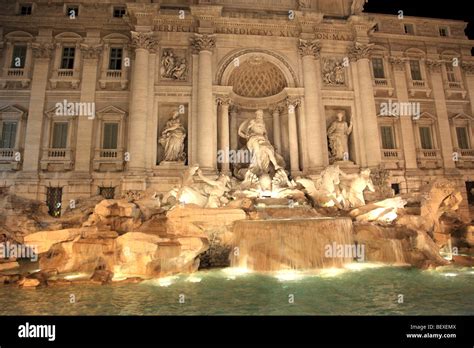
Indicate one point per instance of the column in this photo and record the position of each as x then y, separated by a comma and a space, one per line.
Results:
234, 136
84, 146
310, 53
224, 139
42, 53
142, 42
446, 142
468, 68
359, 55
293, 135
276, 127
406, 123
206, 127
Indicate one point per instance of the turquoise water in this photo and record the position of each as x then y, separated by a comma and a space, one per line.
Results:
371, 291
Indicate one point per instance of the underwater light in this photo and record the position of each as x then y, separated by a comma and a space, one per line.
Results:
288, 275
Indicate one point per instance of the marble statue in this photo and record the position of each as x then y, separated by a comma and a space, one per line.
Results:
207, 193
172, 66
354, 186
264, 157
338, 134
324, 190
172, 139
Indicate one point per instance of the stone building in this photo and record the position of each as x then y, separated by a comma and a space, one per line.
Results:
89, 88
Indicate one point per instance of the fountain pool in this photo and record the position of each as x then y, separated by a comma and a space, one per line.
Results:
365, 289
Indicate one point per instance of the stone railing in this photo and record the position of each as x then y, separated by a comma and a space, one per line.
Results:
465, 158
61, 159
114, 77
389, 154
21, 75
383, 85
381, 82
7, 154
70, 76
108, 159
415, 86
57, 154
429, 153
16, 72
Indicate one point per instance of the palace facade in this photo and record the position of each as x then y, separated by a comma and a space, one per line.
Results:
88, 88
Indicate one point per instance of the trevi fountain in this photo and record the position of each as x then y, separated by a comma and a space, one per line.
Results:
242, 242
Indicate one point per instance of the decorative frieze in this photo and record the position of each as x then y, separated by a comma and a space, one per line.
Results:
334, 72
174, 65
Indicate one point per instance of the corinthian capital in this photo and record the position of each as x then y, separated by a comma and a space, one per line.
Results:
224, 101
468, 67
203, 42
144, 40
91, 51
359, 51
434, 65
309, 48
398, 63
42, 50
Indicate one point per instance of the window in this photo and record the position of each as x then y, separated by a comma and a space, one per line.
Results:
443, 31
18, 57
67, 61
119, 12
396, 188
8, 136
115, 61
377, 65
388, 139
409, 29
415, 70
72, 11
53, 200
109, 140
463, 138
107, 192
59, 135
425, 138
450, 72
26, 9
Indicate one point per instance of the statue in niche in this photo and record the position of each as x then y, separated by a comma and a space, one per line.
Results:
172, 66
338, 134
334, 72
264, 157
172, 139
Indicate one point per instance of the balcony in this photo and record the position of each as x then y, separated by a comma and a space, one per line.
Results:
429, 158
418, 87
108, 160
114, 77
10, 159
54, 159
455, 89
15, 76
393, 158
465, 158
383, 86
66, 77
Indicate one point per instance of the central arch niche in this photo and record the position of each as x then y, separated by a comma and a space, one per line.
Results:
257, 78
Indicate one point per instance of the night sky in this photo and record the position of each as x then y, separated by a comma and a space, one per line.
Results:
451, 9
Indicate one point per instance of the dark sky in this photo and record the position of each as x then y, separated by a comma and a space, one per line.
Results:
451, 9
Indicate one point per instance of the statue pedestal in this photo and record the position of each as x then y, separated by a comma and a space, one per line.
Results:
172, 165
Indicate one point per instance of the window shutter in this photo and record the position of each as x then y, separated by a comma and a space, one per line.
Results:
463, 139
60, 135
8, 135
110, 136
388, 141
425, 138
